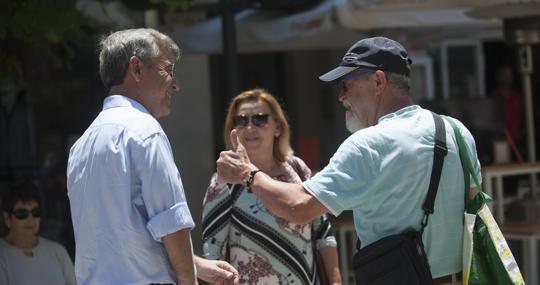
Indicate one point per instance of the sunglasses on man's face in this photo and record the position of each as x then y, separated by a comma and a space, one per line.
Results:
258, 120
22, 214
352, 76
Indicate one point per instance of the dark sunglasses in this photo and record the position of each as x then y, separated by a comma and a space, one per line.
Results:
351, 76
258, 120
22, 214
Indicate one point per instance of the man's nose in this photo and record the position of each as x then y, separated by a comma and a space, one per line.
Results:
341, 96
176, 85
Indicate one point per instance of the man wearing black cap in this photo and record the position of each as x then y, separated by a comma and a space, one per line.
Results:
382, 171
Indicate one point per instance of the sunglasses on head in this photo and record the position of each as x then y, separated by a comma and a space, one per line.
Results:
258, 120
22, 214
351, 76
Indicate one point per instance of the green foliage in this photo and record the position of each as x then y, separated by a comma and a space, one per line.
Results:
38, 34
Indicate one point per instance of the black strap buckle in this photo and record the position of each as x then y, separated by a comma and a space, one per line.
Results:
427, 210
440, 149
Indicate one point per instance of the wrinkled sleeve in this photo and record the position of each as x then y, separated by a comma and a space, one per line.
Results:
342, 184
216, 219
161, 187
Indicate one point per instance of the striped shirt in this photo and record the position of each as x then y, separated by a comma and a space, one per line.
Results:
264, 248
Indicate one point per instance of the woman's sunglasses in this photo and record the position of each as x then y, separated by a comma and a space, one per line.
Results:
22, 214
258, 120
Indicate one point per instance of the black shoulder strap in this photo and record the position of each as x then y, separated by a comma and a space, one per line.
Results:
440, 150
235, 192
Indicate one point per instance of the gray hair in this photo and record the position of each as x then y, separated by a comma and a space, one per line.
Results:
399, 81
116, 49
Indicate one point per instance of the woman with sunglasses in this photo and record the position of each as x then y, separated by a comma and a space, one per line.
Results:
26, 258
237, 228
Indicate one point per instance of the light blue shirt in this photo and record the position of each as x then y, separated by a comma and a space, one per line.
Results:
126, 194
382, 174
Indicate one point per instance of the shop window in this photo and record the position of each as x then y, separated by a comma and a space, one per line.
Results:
422, 84
462, 69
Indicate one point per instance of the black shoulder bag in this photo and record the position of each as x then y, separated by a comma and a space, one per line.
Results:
401, 259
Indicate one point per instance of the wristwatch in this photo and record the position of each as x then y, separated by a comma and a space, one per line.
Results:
250, 178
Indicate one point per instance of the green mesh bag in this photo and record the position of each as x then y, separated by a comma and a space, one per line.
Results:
487, 259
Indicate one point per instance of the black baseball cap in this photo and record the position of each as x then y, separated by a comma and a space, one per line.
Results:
374, 53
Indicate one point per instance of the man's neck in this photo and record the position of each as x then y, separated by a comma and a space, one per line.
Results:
395, 102
128, 92
124, 91
22, 242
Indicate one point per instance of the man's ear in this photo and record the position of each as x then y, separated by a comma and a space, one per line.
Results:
135, 68
380, 82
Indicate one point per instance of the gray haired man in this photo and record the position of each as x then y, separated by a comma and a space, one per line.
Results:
382, 171
132, 223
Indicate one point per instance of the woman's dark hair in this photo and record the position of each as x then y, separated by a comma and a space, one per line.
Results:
24, 191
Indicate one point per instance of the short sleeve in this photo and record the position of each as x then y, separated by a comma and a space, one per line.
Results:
343, 182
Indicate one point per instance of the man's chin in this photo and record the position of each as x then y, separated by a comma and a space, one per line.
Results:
352, 124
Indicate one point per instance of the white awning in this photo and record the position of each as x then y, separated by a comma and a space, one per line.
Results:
258, 29
255, 26
379, 16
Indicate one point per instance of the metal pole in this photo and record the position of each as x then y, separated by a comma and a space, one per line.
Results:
230, 52
526, 69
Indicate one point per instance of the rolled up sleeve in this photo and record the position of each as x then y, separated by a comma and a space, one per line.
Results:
169, 221
162, 189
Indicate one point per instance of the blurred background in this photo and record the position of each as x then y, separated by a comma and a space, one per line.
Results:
466, 56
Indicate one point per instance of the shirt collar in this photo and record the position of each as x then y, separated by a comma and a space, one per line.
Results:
401, 112
114, 101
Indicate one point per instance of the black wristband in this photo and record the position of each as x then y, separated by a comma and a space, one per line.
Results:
250, 179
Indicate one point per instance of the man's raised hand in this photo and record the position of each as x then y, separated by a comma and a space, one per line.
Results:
233, 166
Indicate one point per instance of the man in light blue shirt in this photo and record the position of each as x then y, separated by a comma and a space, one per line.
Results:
132, 223
382, 171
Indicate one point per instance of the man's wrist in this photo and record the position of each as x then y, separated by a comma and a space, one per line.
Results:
251, 178
188, 281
